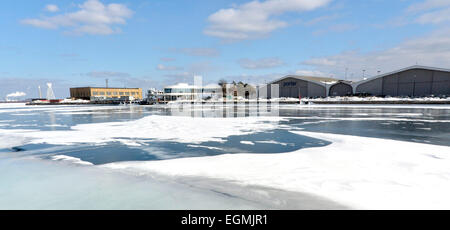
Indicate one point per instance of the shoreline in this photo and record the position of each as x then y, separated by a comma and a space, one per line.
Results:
279, 102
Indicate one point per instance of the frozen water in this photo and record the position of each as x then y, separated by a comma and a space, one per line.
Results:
142, 157
36, 184
361, 172
168, 128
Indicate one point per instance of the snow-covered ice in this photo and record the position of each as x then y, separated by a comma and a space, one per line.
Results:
363, 173
48, 185
168, 128
352, 172
72, 160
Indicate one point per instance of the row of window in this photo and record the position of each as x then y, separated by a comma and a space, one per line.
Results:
96, 93
170, 90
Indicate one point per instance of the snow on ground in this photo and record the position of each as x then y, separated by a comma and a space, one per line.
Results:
364, 173
365, 106
323, 119
286, 99
168, 128
21, 107
368, 99
11, 105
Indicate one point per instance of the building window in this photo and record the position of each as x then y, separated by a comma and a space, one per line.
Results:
122, 93
116, 93
95, 93
108, 93
127, 93
102, 93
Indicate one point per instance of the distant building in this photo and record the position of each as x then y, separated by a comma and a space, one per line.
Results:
185, 91
240, 91
233, 91
414, 81
155, 96
293, 86
94, 93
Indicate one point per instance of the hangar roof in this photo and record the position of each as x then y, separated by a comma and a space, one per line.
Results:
402, 70
317, 80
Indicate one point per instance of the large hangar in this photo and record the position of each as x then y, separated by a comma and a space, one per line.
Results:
293, 86
415, 81
341, 89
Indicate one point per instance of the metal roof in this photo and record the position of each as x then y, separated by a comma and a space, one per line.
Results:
101, 88
317, 80
402, 70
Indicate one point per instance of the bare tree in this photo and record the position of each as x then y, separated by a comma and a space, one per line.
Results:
223, 83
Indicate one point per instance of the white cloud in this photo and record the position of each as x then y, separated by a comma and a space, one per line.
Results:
321, 19
311, 73
435, 17
52, 8
256, 79
428, 5
93, 17
264, 63
431, 11
430, 50
320, 62
167, 59
168, 68
255, 19
336, 28
198, 52
108, 74
16, 94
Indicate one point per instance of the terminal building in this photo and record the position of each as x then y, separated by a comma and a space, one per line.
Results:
93, 93
414, 81
183, 91
232, 91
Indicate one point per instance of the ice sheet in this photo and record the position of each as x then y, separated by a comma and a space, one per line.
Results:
370, 119
72, 160
49, 185
9, 138
168, 128
364, 173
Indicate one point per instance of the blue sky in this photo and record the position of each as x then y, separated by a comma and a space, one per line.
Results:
153, 43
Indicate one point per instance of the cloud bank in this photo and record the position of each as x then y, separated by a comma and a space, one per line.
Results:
256, 19
93, 17
430, 50
264, 63
16, 94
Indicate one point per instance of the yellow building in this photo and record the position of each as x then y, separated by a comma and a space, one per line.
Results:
91, 93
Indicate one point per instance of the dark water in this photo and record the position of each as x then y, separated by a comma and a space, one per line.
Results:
429, 125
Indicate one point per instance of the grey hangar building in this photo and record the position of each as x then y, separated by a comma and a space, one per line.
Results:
414, 81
